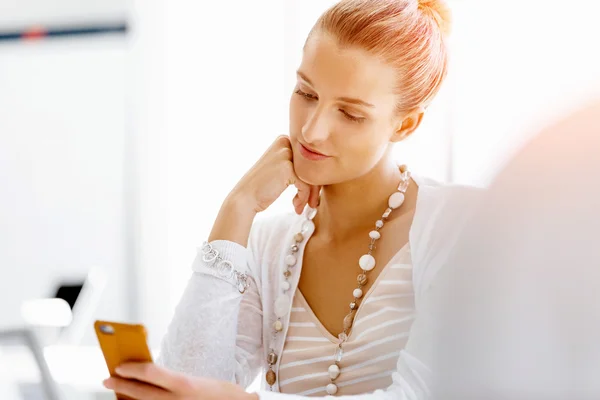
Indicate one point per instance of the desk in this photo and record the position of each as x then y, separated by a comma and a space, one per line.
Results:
77, 370
80, 370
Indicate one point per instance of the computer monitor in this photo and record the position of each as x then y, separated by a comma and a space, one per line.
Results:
24, 374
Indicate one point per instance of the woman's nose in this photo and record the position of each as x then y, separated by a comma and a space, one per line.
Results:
316, 128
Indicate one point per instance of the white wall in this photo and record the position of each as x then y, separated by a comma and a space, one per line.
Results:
62, 169
517, 66
225, 102
146, 73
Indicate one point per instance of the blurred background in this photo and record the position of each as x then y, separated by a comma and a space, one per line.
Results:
124, 124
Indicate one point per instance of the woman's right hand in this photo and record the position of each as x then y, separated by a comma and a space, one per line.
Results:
270, 176
258, 189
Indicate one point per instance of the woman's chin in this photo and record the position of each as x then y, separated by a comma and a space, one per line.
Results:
311, 174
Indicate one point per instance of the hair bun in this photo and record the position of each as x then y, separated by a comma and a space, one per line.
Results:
439, 11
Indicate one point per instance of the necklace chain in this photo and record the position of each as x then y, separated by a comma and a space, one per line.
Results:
366, 263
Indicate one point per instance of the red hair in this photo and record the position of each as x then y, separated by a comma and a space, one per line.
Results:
410, 35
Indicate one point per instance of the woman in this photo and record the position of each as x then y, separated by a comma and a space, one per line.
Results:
366, 236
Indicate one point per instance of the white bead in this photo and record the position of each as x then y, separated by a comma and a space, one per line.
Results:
403, 185
396, 200
331, 389
339, 353
334, 371
285, 285
282, 306
308, 226
379, 223
290, 260
357, 293
367, 262
278, 326
374, 235
387, 212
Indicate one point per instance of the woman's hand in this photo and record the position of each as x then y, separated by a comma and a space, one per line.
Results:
270, 176
258, 189
148, 381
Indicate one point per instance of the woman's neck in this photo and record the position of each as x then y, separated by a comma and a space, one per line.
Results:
354, 206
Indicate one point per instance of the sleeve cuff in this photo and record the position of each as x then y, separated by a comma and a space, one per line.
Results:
235, 271
234, 252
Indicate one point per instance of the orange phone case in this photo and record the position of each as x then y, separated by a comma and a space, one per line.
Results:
121, 343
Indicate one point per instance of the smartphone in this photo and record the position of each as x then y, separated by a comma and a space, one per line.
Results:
121, 343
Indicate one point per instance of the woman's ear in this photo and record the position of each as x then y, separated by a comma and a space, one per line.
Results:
408, 125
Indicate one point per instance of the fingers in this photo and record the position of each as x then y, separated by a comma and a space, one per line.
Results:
282, 141
307, 194
136, 390
280, 145
313, 199
302, 197
149, 373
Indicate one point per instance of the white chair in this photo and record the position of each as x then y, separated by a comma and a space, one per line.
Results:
59, 322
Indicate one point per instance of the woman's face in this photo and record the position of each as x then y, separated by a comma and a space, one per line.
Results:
342, 112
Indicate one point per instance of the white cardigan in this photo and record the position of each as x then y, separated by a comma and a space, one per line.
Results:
218, 332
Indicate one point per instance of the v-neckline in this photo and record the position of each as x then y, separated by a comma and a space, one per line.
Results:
332, 338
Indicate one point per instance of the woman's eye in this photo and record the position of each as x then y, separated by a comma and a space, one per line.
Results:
351, 117
307, 96
312, 97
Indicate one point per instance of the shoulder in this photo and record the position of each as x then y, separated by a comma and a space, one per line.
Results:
271, 226
433, 194
442, 212
269, 234
441, 204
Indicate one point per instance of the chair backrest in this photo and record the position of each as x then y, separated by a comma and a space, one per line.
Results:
20, 356
84, 299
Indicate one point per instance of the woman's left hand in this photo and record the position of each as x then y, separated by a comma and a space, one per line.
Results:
147, 381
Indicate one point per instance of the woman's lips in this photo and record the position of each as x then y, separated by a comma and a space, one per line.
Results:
310, 154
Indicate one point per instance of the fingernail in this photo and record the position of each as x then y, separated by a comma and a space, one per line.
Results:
119, 370
108, 383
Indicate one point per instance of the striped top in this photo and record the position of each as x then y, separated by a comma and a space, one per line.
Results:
379, 333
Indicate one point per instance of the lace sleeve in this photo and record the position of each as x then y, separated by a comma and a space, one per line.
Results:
216, 330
